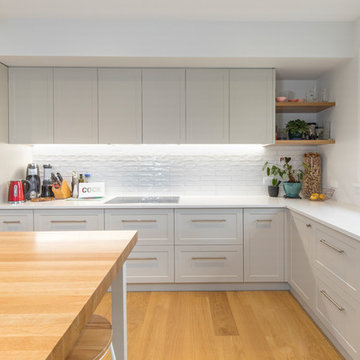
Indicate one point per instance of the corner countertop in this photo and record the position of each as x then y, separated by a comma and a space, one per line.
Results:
336, 215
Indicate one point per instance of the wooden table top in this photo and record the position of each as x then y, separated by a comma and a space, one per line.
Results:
50, 284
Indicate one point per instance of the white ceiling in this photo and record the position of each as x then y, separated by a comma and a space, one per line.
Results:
224, 10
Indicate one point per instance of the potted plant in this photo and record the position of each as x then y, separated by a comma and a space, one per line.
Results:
275, 171
297, 129
292, 186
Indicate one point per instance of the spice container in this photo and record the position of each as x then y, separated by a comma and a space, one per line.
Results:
312, 178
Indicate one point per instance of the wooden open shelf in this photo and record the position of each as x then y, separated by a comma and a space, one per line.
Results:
296, 107
304, 142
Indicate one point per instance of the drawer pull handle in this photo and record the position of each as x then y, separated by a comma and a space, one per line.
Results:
12, 222
308, 225
68, 221
207, 220
264, 220
340, 308
340, 251
209, 258
142, 259
139, 221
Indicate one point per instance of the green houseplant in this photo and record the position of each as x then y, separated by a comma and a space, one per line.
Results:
297, 129
276, 172
294, 176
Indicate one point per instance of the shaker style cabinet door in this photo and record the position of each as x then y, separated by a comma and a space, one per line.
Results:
207, 106
252, 106
75, 106
16, 220
31, 108
264, 245
163, 106
120, 115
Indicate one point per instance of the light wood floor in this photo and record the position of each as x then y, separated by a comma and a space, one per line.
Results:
245, 325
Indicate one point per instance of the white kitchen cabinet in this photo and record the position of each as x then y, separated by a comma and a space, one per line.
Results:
163, 106
212, 263
209, 226
301, 243
154, 226
264, 245
31, 110
252, 106
207, 106
120, 114
339, 313
16, 220
75, 106
150, 264
68, 220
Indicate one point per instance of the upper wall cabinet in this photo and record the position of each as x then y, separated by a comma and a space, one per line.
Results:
75, 106
252, 106
120, 112
163, 106
207, 106
31, 105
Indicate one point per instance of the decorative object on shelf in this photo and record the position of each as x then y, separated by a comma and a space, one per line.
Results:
312, 177
312, 131
319, 133
297, 129
312, 95
293, 100
281, 98
292, 187
324, 95
275, 172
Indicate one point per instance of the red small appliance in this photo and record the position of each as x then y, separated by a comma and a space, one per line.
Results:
17, 192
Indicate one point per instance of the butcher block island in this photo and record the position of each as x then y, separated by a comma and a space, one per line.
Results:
50, 285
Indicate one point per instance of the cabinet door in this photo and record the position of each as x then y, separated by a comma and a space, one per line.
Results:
301, 274
120, 112
31, 110
16, 220
252, 106
68, 220
75, 106
264, 245
207, 106
163, 106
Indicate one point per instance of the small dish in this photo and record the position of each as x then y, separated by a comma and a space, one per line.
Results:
281, 98
301, 100
293, 100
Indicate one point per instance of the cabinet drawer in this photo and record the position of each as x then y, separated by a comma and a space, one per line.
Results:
150, 264
68, 220
338, 255
340, 314
16, 220
209, 226
154, 226
209, 263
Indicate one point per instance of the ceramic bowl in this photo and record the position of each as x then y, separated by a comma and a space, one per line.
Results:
281, 98
293, 100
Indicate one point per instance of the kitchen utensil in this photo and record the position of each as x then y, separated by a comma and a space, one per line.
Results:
47, 174
33, 176
55, 181
16, 191
63, 191
60, 177
46, 191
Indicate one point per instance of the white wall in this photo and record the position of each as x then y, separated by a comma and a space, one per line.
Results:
13, 158
145, 38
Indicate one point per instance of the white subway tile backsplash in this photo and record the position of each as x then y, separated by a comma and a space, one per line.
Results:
169, 169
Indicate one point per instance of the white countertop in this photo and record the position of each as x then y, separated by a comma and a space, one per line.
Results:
338, 216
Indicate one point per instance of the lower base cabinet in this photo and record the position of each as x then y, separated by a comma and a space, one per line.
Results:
214, 263
150, 264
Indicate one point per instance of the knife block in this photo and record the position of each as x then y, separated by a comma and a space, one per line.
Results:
63, 192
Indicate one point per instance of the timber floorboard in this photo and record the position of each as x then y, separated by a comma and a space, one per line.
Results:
228, 325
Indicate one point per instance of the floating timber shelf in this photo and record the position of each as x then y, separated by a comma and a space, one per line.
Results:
304, 142
296, 107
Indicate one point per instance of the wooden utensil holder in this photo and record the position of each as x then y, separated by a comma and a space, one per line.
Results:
63, 192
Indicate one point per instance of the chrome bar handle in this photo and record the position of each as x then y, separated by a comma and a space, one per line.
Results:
340, 251
340, 308
142, 259
12, 222
68, 221
264, 220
